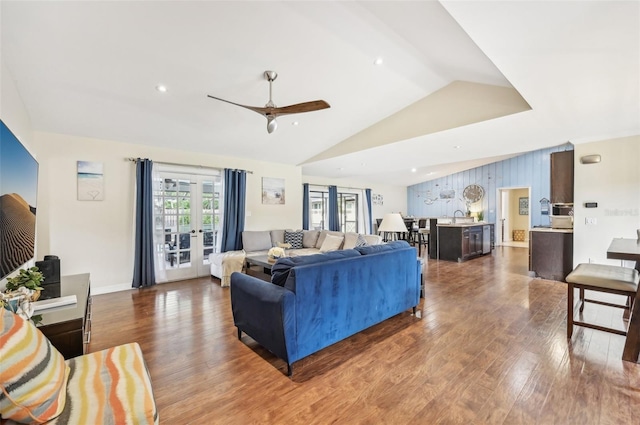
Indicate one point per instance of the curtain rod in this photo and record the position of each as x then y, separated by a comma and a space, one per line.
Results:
182, 165
337, 185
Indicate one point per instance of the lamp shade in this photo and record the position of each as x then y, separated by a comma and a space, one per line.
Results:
392, 222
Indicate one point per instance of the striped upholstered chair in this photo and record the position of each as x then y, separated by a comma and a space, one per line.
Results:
38, 386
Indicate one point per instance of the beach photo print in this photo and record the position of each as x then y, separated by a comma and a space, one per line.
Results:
90, 181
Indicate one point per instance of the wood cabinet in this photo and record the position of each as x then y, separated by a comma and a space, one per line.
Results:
69, 327
551, 253
461, 243
562, 177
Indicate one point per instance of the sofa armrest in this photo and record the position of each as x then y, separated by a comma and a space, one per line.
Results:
265, 312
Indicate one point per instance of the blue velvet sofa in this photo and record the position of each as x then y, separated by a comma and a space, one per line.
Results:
317, 300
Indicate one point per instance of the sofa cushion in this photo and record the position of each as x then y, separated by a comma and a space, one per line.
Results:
309, 238
331, 243
372, 249
33, 374
277, 237
280, 270
294, 238
256, 240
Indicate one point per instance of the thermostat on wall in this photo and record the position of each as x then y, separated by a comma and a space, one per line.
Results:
591, 205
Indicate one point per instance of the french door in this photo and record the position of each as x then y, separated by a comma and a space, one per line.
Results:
187, 224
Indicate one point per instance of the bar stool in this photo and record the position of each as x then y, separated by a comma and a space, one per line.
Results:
423, 234
601, 278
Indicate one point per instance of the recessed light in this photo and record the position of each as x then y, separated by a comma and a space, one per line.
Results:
413, 170
363, 164
456, 147
161, 88
295, 123
379, 61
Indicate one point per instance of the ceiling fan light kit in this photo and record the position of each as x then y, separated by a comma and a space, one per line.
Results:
271, 111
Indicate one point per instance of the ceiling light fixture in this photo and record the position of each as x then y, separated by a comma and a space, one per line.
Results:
413, 170
456, 147
379, 61
296, 123
161, 88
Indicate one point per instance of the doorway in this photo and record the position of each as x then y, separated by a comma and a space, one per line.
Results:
187, 217
513, 217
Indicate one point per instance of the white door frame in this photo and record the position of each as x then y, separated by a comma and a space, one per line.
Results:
500, 210
195, 264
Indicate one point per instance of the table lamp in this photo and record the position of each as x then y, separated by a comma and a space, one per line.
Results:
392, 222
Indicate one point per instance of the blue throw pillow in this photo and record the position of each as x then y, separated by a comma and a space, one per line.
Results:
280, 270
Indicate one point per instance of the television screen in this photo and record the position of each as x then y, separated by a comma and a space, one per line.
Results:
18, 192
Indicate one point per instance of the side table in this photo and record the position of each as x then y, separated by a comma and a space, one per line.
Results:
69, 327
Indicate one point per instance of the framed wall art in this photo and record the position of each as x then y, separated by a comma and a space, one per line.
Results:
90, 181
523, 206
272, 191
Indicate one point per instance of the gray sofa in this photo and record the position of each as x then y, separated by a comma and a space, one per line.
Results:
259, 242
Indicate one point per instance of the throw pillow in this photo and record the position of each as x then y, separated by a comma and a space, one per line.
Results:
350, 239
33, 374
361, 241
331, 243
294, 238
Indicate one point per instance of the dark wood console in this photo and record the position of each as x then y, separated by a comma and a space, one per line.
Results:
69, 327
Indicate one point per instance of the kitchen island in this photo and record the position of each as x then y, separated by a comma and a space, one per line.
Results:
551, 252
460, 241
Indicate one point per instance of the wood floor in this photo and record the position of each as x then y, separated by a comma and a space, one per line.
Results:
490, 347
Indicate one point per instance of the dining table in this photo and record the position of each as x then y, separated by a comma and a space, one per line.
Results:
629, 250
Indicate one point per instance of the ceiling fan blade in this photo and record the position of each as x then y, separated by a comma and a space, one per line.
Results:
261, 111
314, 105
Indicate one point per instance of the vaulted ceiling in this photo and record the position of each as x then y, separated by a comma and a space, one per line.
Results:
461, 83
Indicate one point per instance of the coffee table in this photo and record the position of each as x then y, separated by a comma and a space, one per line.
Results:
262, 261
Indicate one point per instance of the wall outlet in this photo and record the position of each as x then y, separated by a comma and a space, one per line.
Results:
590, 220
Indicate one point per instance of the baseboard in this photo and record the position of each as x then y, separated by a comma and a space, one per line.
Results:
111, 288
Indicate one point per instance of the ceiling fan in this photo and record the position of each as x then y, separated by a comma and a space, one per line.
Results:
271, 111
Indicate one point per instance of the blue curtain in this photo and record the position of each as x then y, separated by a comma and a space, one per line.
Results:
143, 270
305, 206
235, 189
369, 218
334, 218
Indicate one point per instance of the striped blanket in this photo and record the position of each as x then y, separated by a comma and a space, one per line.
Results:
110, 387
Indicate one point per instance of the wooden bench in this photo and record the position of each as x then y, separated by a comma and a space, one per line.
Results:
602, 278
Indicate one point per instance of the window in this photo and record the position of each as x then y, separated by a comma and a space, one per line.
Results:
348, 207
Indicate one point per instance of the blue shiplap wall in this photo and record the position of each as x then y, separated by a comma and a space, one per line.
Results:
528, 170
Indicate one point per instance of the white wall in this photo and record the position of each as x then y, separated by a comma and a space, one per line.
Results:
12, 110
614, 184
97, 237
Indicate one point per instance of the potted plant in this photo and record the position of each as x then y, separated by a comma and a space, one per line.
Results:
30, 278
20, 291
